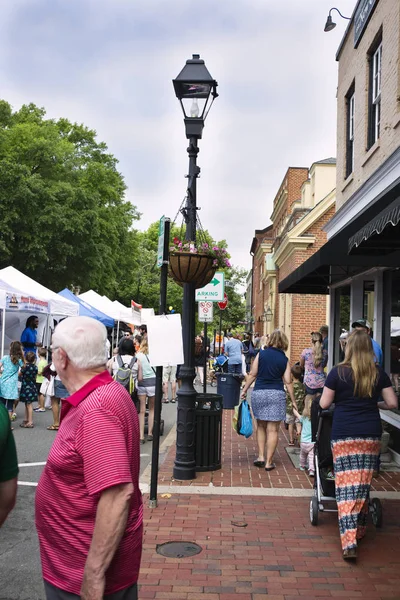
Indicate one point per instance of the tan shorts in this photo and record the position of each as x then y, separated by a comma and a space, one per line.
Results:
169, 374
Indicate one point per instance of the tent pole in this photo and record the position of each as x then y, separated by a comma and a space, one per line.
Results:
3, 332
117, 332
46, 339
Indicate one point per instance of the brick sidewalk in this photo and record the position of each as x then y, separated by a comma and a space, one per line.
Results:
238, 470
278, 556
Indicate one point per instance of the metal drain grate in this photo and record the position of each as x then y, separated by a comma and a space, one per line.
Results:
178, 549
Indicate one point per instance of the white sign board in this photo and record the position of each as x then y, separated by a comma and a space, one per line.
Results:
206, 312
164, 334
213, 291
160, 251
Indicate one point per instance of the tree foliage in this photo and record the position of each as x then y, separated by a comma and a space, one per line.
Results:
65, 220
64, 217
146, 279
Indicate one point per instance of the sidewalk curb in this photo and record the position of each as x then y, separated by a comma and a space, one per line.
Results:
210, 490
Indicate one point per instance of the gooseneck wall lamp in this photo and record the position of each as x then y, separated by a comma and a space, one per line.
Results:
330, 24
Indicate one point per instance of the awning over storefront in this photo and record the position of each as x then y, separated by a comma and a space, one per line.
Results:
327, 266
333, 262
382, 234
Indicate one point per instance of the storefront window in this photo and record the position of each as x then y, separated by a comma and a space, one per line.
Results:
369, 301
344, 309
395, 331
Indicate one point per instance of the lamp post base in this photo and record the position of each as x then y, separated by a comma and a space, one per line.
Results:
185, 463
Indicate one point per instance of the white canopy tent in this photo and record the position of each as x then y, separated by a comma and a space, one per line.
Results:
127, 314
58, 305
21, 296
101, 303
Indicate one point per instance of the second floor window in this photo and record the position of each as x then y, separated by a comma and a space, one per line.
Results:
350, 98
374, 128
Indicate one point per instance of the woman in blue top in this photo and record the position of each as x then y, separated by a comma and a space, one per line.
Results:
29, 335
270, 370
356, 386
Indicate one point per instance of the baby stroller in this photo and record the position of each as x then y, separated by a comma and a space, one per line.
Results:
217, 365
324, 483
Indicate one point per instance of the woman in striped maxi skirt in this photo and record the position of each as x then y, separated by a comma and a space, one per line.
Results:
359, 388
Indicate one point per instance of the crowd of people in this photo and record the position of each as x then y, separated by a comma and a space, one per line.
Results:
88, 498
358, 386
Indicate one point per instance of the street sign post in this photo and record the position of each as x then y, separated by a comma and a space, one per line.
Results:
206, 313
161, 233
213, 291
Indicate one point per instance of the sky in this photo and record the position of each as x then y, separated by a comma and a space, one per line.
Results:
110, 63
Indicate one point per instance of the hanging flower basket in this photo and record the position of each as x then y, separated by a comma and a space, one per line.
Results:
188, 267
191, 264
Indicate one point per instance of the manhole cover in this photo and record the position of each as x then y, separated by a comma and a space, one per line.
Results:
178, 549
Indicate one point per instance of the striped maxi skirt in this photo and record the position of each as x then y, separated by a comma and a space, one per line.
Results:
354, 461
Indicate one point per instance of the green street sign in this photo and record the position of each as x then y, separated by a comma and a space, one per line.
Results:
213, 291
160, 251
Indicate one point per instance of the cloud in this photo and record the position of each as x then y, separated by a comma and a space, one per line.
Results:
110, 65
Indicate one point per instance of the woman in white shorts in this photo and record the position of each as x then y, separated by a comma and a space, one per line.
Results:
146, 388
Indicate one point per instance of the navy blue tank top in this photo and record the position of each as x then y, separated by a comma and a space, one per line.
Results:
271, 368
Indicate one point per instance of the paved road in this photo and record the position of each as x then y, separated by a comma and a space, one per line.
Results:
20, 574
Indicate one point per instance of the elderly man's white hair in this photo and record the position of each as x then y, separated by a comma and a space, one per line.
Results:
84, 341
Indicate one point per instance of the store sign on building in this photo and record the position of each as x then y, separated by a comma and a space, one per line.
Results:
361, 18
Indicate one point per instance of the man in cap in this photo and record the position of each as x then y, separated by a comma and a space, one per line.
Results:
364, 325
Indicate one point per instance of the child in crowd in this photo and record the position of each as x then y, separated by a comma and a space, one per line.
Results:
299, 394
41, 364
10, 365
306, 445
28, 392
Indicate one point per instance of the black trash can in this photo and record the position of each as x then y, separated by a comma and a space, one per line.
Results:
208, 432
228, 385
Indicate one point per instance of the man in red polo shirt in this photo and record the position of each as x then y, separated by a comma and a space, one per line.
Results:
89, 510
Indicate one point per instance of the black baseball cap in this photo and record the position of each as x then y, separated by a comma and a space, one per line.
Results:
361, 323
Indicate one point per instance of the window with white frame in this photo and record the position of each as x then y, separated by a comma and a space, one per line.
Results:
374, 128
350, 111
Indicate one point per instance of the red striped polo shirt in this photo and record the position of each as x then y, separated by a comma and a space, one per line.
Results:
96, 447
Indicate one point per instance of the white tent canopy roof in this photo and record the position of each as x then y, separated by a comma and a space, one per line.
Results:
19, 281
115, 309
126, 314
100, 302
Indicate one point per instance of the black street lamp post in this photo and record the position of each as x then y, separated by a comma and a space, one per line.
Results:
196, 91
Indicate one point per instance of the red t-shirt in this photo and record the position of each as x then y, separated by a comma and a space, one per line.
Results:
96, 447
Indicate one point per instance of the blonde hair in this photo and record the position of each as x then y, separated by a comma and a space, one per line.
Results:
308, 400
144, 345
278, 339
316, 340
360, 358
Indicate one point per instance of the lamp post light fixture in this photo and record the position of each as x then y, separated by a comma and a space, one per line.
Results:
269, 315
196, 90
329, 25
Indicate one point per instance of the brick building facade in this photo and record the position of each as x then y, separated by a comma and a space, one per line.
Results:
302, 206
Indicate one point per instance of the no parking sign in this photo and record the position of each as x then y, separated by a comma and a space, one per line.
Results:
206, 314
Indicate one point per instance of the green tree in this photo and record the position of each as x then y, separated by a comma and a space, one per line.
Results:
146, 279
63, 213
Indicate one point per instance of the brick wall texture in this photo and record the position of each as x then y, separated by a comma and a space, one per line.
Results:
353, 67
296, 314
